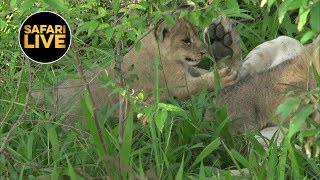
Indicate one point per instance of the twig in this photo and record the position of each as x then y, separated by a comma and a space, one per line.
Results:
95, 118
21, 117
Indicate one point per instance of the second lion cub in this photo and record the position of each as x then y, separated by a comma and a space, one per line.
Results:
178, 48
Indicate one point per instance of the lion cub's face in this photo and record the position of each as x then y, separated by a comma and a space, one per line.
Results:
180, 42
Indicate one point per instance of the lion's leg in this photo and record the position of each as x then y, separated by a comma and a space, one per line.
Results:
270, 54
195, 84
223, 40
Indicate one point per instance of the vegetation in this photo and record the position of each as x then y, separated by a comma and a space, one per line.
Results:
176, 142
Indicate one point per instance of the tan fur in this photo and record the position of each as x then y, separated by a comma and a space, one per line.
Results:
270, 54
252, 102
177, 75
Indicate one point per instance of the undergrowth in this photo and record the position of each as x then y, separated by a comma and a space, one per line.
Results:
176, 143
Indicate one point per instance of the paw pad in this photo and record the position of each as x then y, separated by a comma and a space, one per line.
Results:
218, 37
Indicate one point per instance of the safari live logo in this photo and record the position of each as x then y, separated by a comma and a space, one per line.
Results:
45, 37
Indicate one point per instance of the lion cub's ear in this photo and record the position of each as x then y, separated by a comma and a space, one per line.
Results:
162, 31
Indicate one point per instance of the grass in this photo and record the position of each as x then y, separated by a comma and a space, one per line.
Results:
177, 143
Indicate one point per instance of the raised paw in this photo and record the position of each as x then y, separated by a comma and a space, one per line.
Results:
228, 77
223, 40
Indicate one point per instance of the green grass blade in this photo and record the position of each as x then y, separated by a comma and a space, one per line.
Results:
179, 175
206, 151
71, 172
202, 174
237, 156
53, 138
125, 151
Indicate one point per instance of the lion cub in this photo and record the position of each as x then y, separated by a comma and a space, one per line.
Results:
177, 47
253, 101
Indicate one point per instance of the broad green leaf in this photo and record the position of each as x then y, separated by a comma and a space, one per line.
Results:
2, 23
283, 9
136, 6
13, 3
115, 6
299, 119
57, 5
303, 15
183, 14
93, 26
169, 20
109, 33
314, 18
26, 5
160, 118
206, 151
286, 108
194, 17
170, 107
102, 12
237, 156
307, 36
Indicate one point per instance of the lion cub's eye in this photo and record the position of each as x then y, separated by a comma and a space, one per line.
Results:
187, 40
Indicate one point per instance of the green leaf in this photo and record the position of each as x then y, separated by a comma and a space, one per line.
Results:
125, 151
102, 12
136, 6
29, 146
87, 112
179, 175
170, 107
202, 174
115, 6
71, 172
160, 118
206, 151
109, 33
194, 17
314, 18
53, 137
273, 159
58, 5
103, 26
54, 173
26, 5
307, 36
303, 15
299, 119
93, 26
237, 156
286, 108
283, 9
13, 3
183, 14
